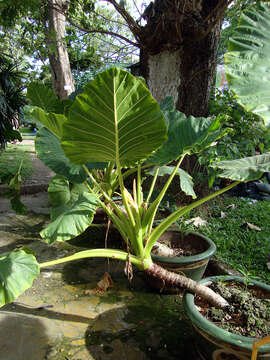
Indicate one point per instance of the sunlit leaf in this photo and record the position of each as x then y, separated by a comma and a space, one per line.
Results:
114, 119
247, 62
17, 272
245, 169
186, 183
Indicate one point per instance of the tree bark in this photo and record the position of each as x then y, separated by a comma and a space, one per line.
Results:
63, 83
179, 51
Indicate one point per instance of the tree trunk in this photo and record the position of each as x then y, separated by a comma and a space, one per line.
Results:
63, 83
179, 51
197, 70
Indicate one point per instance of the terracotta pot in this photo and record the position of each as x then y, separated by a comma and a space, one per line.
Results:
192, 266
215, 343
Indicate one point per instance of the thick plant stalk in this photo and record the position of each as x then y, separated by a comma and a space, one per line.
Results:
175, 280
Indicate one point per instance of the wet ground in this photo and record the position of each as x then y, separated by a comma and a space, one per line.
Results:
62, 318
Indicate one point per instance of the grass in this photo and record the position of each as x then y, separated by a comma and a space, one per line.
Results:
10, 160
243, 249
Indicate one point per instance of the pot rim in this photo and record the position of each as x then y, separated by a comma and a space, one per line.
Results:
188, 259
215, 331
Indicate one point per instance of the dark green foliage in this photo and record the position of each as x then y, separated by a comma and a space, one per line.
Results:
247, 138
11, 100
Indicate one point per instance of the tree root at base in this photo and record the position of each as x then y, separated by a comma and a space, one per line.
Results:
174, 280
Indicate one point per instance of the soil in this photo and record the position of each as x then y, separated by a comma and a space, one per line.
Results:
182, 244
248, 313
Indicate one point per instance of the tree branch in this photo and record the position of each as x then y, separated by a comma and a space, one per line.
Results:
223, 4
216, 15
94, 31
110, 20
132, 24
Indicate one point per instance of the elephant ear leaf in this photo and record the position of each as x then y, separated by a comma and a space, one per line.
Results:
73, 210
245, 169
247, 62
18, 270
42, 96
115, 119
186, 135
167, 104
186, 183
50, 152
45, 98
53, 122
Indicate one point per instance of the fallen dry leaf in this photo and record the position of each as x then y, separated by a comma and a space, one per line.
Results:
197, 221
102, 285
251, 226
222, 215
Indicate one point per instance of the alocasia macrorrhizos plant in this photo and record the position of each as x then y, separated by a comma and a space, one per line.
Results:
116, 124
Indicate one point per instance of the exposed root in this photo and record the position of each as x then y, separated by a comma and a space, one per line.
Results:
175, 281
163, 250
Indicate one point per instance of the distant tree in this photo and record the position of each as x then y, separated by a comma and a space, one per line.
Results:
50, 15
12, 100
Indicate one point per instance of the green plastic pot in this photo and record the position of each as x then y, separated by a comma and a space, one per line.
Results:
192, 266
215, 343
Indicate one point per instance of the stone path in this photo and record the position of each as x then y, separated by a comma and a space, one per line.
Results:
61, 318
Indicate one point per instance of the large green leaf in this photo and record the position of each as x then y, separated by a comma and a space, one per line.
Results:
59, 193
186, 135
45, 98
186, 183
167, 104
245, 169
54, 122
17, 272
114, 119
42, 96
49, 150
247, 62
73, 211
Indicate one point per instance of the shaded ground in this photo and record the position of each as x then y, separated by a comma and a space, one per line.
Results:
59, 319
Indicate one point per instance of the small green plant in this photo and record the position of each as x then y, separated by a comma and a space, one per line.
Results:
248, 275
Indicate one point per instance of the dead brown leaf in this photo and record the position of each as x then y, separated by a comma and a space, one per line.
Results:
197, 221
253, 227
102, 286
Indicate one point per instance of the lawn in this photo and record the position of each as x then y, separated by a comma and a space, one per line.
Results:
239, 244
10, 160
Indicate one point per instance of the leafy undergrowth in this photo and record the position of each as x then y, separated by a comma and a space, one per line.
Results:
248, 313
244, 248
10, 160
